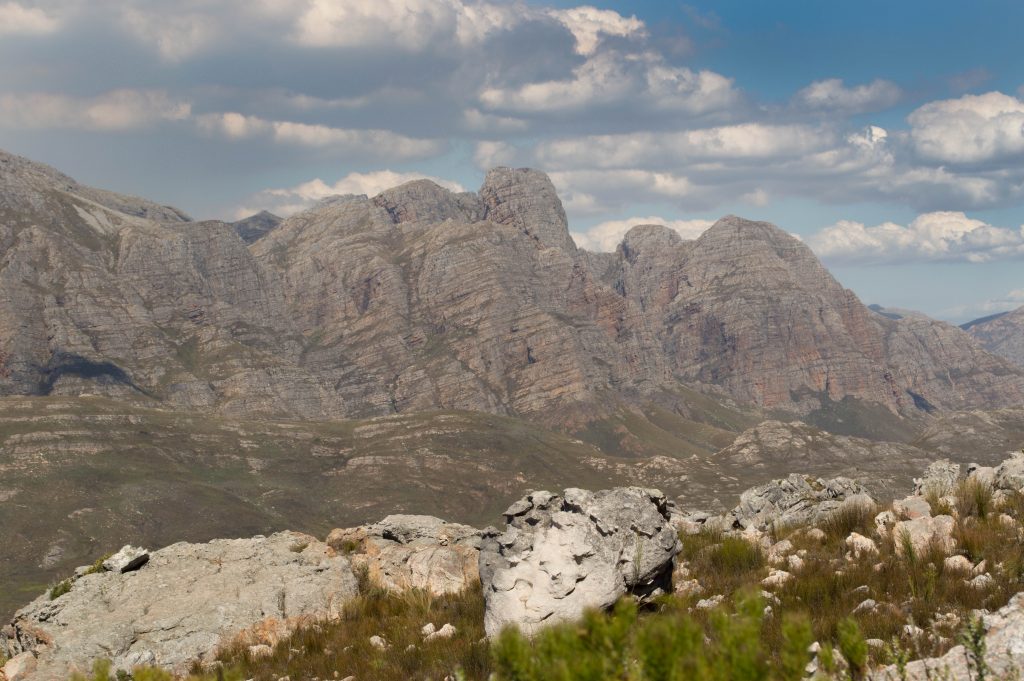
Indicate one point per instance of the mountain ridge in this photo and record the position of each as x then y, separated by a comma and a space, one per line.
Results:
420, 298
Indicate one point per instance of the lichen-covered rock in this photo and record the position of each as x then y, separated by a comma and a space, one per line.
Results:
1009, 475
923, 532
182, 605
127, 559
562, 554
413, 552
940, 478
795, 500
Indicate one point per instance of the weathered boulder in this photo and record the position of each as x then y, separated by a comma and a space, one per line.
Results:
794, 500
921, 533
939, 478
127, 559
562, 554
182, 605
1009, 475
413, 551
1004, 650
911, 507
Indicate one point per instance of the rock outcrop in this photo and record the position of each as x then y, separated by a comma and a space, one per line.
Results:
187, 600
562, 554
795, 500
413, 552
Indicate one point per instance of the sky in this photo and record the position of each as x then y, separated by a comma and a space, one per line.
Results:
888, 136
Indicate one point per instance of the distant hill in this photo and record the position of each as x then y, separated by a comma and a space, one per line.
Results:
256, 226
1001, 334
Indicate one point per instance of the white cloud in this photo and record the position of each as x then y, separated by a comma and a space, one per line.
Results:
16, 19
589, 24
1005, 303
383, 143
971, 129
490, 154
479, 121
287, 201
937, 236
117, 110
176, 35
833, 95
608, 235
607, 78
748, 141
406, 25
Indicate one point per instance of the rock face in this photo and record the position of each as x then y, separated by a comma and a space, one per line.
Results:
562, 554
1001, 335
423, 299
255, 227
1004, 650
413, 552
797, 499
180, 606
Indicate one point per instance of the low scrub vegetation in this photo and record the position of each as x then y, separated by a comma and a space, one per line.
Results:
854, 595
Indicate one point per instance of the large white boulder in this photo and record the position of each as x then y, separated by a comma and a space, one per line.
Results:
562, 554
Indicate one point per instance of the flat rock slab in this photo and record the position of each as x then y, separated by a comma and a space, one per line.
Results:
413, 552
187, 600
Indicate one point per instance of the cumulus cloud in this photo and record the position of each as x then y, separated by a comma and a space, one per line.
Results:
833, 95
734, 142
175, 35
608, 235
613, 78
937, 236
408, 25
383, 143
17, 19
589, 25
971, 129
117, 110
285, 202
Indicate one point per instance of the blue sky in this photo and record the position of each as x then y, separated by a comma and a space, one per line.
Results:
888, 136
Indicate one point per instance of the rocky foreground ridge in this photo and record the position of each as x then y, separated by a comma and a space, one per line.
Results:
422, 299
558, 555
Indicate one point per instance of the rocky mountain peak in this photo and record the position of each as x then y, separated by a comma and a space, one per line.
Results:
427, 202
642, 238
526, 199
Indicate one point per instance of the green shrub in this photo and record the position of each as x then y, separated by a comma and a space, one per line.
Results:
853, 647
850, 517
97, 567
974, 498
59, 589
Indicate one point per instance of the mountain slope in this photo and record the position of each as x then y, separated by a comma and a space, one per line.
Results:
1001, 334
421, 299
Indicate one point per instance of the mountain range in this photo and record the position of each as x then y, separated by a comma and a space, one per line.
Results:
425, 351
420, 299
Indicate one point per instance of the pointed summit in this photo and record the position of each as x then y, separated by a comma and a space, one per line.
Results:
526, 198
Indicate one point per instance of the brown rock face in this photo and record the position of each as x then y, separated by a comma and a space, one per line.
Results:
423, 299
749, 308
1002, 335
